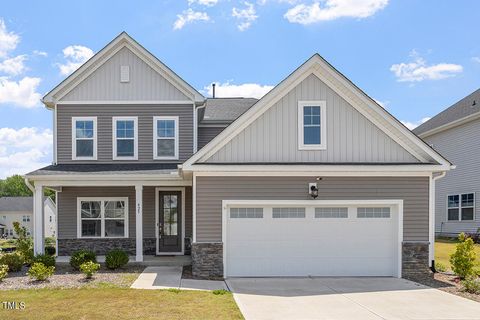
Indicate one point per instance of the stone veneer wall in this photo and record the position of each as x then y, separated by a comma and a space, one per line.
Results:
101, 246
207, 260
415, 260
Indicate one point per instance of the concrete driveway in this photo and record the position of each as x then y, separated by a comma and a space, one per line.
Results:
346, 298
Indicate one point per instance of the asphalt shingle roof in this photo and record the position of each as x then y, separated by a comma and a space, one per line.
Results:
226, 109
120, 168
13, 204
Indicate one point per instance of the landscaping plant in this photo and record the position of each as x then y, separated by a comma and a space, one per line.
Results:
50, 250
13, 260
440, 267
47, 260
40, 272
463, 259
24, 243
471, 285
116, 258
3, 271
80, 257
89, 268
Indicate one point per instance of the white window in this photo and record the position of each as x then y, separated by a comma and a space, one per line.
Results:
102, 217
84, 138
373, 212
125, 138
331, 212
248, 213
26, 218
461, 207
165, 138
288, 213
312, 125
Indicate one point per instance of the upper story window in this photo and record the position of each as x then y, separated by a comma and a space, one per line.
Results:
461, 207
125, 138
312, 125
165, 138
84, 138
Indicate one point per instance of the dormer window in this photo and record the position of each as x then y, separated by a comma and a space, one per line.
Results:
84, 138
312, 125
125, 141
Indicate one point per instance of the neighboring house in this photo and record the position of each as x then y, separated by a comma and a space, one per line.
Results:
455, 133
21, 209
313, 179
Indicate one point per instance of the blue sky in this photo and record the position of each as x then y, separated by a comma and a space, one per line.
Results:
414, 57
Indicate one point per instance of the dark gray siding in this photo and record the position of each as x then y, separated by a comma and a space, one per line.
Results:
206, 134
104, 114
212, 190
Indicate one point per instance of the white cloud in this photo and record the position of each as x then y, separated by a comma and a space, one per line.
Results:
418, 70
24, 150
207, 3
40, 53
8, 40
189, 16
22, 93
476, 59
245, 16
248, 90
333, 9
75, 56
413, 125
14, 66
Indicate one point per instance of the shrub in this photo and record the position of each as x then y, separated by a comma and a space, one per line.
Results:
474, 236
440, 267
40, 272
89, 268
471, 285
50, 250
80, 257
47, 260
3, 271
13, 260
463, 259
116, 258
24, 243
220, 292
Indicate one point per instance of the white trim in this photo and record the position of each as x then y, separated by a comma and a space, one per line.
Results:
194, 208
157, 203
460, 206
38, 220
310, 203
124, 102
74, 138
114, 138
155, 137
323, 125
105, 181
55, 157
102, 216
138, 222
449, 125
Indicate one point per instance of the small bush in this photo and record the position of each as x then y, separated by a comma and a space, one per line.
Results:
80, 257
463, 259
173, 290
40, 272
13, 260
3, 271
24, 243
50, 250
471, 285
116, 258
89, 268
47, 260
440, 267
220, 292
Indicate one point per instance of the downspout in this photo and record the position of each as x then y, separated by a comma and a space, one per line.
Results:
29, 185
195, 116
431, 235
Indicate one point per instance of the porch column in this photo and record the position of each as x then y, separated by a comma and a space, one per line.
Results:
38, 229
139, 222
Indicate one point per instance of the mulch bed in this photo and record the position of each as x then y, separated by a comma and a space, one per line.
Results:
66, 277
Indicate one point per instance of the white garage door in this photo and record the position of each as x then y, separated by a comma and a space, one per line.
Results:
321, 239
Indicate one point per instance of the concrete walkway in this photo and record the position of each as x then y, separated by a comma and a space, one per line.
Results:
171, 278
346, 298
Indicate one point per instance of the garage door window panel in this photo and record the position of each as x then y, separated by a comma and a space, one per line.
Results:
246, 213
341, 213
373, 212
285, 213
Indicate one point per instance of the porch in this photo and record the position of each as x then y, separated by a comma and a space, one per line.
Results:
148, 260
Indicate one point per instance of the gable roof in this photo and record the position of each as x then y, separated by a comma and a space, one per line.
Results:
347, 90
16, 204
226, 109
119, 42
462, 111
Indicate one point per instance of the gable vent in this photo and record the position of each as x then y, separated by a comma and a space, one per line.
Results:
124, 74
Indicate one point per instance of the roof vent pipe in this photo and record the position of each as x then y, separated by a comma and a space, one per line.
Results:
213, 90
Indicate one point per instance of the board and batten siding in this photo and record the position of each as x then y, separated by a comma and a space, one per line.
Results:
67, 208
414, 191
145, 83
273, 137
461, 146
105, 113
206, 134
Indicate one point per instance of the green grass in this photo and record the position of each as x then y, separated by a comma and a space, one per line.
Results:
118, 303
445, 247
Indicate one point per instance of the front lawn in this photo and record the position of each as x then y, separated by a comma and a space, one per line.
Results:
445, 247
119, 303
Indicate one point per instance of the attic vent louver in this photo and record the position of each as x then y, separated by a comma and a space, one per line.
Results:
124, 74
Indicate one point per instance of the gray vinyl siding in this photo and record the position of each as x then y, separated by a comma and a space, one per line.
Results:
67, 208
212, 190
460, 145
206, 134
273, 137
105, 113
145, 83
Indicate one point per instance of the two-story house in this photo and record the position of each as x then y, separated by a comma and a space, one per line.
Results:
315, 178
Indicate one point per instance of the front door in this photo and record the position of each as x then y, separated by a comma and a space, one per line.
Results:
170, 222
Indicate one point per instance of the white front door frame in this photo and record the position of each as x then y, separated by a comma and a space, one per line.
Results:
393, 202
157, 220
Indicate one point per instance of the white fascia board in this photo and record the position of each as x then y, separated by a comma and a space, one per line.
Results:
111, 182
449, 125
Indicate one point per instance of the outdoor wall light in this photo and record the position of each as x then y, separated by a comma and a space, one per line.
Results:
313, 190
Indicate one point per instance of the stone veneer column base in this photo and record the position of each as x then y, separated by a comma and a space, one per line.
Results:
207, 260
415, 260
101, 246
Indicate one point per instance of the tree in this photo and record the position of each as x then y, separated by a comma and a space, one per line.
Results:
15, 186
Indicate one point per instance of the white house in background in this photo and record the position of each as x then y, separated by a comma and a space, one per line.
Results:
21, 209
